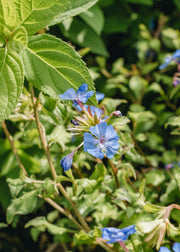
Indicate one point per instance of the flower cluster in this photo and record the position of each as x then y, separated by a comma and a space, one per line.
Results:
100, 139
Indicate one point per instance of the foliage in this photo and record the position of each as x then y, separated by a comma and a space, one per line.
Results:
49, 47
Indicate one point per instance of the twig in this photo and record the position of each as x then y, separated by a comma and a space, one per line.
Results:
114, 170
8, 135
62, 211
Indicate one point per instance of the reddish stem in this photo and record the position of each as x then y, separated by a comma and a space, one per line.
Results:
123, 246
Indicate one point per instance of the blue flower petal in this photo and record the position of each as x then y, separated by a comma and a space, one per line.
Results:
84, 97
91, 146
111, 134
115, 234
83, 88
99, 96
111, 151
96, 152
99, 130
66, 162
164, 249
176, 55
82, 94
176, 247
70, 94
89, 141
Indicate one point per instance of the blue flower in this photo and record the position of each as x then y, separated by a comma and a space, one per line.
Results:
66, 162
175, 247
99, 96
164, 249
81, 95
103, 141
175, 57
115, 234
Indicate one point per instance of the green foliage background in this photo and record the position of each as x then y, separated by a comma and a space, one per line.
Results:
121, 44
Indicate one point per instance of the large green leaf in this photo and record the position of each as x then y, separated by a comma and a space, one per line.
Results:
80, 33
53, 66
23, 205
7, 16
11, 79
74, 8
37, 14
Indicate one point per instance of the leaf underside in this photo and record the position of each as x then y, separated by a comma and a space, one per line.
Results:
11, 81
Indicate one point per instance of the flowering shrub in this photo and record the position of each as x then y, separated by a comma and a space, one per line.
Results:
89, 152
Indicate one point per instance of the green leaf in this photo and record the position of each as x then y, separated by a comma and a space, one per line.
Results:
72, 9
83, 238
171, 38
173, 121
152, 208
32, 165
62, 178
11, 79
37, 14
94, 18
89, 185
15, 186
99, 173
111, 104
53, 66
44, 224
21, 206
59, 135
144, 2
18, 39
118, 122
177, 3
137, 84
155, 177
7, 16
83, 35
3, 225
47, 189
121, 194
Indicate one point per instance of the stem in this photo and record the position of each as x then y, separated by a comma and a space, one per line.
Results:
123, 246
169, 209
42, 135
8, 135
104, 245
62, 211
114, 170
84, 110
